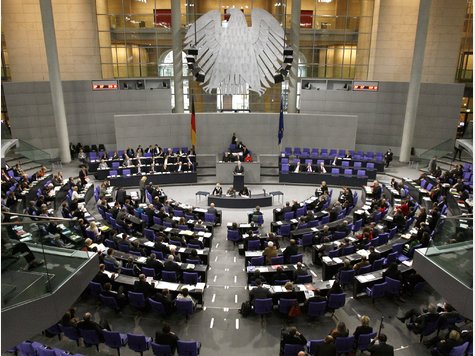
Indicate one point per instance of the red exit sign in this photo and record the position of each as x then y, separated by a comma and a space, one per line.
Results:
105, 85
365, 86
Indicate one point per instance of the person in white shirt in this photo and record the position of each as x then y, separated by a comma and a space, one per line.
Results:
309, 168
103, 165
127, 162
75, 194
297, 168
322, 168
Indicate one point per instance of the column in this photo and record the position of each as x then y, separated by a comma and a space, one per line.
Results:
295, 40
177, 54
55, 80
415, 81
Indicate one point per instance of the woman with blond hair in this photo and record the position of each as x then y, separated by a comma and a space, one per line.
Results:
364, 328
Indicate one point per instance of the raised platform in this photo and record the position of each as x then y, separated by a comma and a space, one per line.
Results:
317, 178
168, 178
239, 202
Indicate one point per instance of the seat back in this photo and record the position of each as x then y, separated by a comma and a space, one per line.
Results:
190, 278
336, 301
70, 332
394, 286
169, 276
188, 348
344, 344
277, 260
184, 306
263, 306
285, 305
110, 302
95, 288
161, 350
459, 350
292, 349
346, 277
157, 306
378, 264
296, 258
233, 235
312, 345
149, 272
284, 230
137, 300
304, 278
138, 343
316, 309
253, 245
364, 341
365, 269
257, 261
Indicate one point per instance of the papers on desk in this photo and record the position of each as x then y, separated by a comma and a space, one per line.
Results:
149, 280
406, 236
142, 259
337, 260
363, 253
149, 244
190, 266
277, 289
166, 285
309, 294
366, 277
186, 233
326, 259
132, 239
407, 263
295, 221
279, 222
168, 229
104, 228
314, 229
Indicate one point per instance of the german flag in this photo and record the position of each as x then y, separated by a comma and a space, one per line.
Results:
193, 122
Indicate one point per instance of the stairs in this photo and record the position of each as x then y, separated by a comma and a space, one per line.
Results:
29, 166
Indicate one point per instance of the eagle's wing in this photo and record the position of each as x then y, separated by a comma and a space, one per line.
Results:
208, 39
267, 39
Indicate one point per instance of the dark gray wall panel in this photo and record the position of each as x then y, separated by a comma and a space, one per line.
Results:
381, 114
257, 130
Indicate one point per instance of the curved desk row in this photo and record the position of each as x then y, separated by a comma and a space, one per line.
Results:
317, 178
157, 178
240, 202
94, 164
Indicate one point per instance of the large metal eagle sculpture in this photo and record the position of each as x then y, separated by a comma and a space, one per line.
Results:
237, 56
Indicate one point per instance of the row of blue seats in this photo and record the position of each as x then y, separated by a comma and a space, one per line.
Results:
285, 168
297, 151
31, 348
117, 340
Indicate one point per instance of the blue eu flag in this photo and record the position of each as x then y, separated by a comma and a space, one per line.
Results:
280, 134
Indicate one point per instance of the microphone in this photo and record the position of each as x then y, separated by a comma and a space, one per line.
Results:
264, 192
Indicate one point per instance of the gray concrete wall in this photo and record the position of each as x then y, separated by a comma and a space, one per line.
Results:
89, 113
381, 113
258, 131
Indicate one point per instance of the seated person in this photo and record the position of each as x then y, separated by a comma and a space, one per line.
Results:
165, 298
339, 331
309, 168
245, 192
279, 275
142, 286
218, 190
364, 328
362, 263
88, 324
300, 271
327, 348
103, 165
167, 337
256, 214
259, 292
418, 320
231, 192
227, 157
269, 252
248, 158
184, 295
293, 336
256, 275
119, 296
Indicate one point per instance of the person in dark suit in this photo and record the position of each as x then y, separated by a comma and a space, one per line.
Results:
195, 241
165, 298
120, 297
142, 286
102, 277
259, 292
171, 265
377, 190
167, 337
373, 255
290, 250
328, 348
238, 168
152, 262
317, 297
120, 196
364, 328
233, 139
381, 348
286, 209
160, 246
388, 157
88, 324
218, 190
279, 275
293, 336
212, 209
